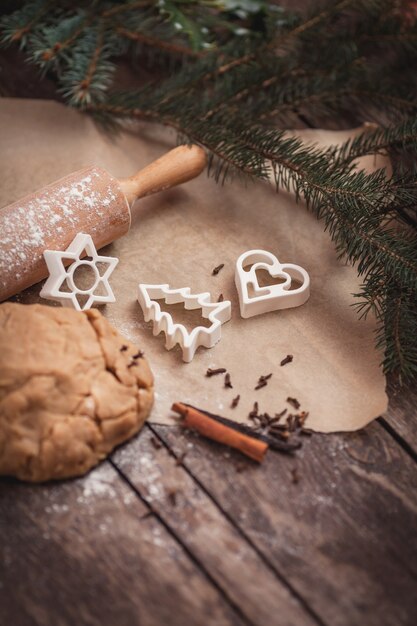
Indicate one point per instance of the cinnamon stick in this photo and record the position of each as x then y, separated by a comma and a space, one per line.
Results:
207, 426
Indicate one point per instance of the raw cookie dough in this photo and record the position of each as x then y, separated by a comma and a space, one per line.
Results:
70, 391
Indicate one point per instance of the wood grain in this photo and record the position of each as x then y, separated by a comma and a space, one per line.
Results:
343, 536
236, 567
173, 168
401, 417
82, 552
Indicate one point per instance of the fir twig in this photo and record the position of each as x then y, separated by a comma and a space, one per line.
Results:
239, 67
167, 46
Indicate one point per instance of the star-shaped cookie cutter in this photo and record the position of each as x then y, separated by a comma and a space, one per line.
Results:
216, 312
59, 274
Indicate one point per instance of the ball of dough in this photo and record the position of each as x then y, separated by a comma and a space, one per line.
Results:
71, 389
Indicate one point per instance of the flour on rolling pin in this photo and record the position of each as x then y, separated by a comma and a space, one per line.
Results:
89, 201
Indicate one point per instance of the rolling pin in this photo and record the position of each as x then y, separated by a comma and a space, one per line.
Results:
89, 201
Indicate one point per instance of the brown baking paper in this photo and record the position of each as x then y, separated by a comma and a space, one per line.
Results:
178, 237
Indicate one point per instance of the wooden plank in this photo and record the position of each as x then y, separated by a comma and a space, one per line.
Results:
343, 536
215, 542
81, 552
401, 416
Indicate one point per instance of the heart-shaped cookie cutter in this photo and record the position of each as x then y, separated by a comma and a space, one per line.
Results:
216, 312
271, 297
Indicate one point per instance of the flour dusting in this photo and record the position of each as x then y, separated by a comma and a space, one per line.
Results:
86, 201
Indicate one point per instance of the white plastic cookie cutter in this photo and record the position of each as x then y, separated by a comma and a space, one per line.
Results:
59, 275
271, 297
216, 312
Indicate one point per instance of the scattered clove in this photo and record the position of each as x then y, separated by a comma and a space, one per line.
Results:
213, 372
279, 427
220, 298
264, 378
287, 359
301, 418
227, 382
277, 417
217, 269
263, 381
283, 434
235, 402
291, 423
254, 413
266, 426
123, 348
294, 402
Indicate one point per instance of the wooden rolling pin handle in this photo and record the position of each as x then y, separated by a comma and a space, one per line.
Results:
173, 168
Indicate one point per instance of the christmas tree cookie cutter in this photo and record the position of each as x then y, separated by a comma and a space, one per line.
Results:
216, 312
271, 297
59, 275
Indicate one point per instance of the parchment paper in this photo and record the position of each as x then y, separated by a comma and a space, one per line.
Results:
178, 237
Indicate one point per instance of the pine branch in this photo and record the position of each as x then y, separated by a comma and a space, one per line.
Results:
283, 39
237, 76
51, 43
378, 141
127, 6
397, 336
336, 197
17, 27
90, 71
166, 46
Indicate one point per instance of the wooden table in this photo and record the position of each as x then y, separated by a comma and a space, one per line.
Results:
175, 530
